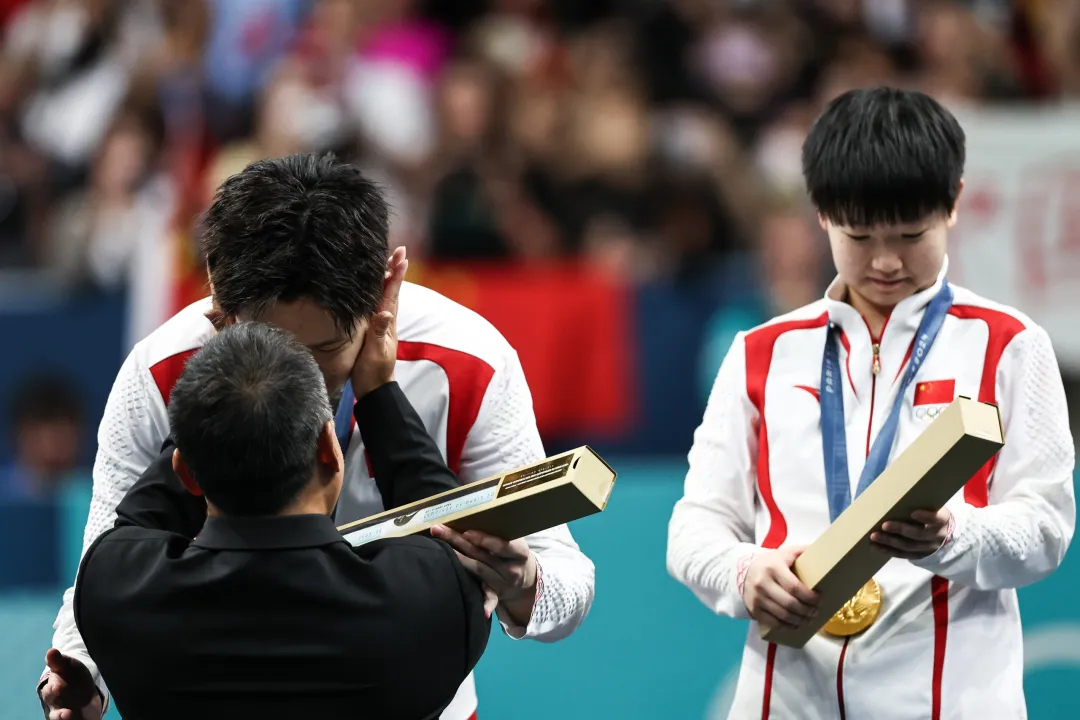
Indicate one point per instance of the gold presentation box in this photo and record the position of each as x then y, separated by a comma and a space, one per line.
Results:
929, 472
558, 490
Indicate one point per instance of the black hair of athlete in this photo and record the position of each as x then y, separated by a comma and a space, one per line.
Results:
883, 156
305, 226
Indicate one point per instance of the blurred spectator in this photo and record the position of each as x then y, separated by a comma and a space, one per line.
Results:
778, 155
389, 84
752, 60
1050, 34
315, 70
963, 59
173, 69
276, 132
857, 62
78, 56
47, 426
115, 232
466, 220
23, 178
586, 160
96, 231
794, 258
246, 39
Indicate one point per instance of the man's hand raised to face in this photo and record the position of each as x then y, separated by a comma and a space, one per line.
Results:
375, 364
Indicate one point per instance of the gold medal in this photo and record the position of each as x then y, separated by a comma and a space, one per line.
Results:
858, 613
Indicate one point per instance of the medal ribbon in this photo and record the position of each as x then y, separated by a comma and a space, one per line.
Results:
833, 436
343, 422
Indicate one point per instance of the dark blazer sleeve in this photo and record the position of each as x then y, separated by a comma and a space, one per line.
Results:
159, 501
78, 600
477, 625
405, 460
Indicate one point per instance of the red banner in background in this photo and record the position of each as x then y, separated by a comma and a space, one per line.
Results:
572, 327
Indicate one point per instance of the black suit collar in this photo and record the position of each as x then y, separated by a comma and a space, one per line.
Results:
268, 533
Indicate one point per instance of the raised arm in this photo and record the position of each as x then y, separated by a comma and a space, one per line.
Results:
406, 461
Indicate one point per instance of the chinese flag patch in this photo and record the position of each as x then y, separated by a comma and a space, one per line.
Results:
935, 392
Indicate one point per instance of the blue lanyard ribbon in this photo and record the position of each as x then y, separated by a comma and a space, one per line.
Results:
833, 436
343, 422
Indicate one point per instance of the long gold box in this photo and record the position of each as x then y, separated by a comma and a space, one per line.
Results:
558, 490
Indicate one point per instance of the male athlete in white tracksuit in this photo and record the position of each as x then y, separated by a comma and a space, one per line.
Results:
884, 169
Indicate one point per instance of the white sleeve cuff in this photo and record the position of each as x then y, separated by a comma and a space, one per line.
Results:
512, 629
742, 566
954, 544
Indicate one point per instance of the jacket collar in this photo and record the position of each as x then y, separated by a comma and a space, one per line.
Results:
902, 321
268, 533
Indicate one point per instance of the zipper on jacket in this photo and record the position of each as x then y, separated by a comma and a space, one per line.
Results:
875, 369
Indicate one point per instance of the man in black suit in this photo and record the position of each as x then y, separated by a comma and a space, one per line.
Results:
268, 612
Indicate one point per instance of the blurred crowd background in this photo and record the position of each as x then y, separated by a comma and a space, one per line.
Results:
614, 183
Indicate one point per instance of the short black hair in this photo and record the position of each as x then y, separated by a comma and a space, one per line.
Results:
302, 226
883, 156
246, 415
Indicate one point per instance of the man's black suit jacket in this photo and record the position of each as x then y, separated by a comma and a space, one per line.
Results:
279, 617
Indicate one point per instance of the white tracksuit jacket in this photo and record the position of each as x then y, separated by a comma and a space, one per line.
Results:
948, 642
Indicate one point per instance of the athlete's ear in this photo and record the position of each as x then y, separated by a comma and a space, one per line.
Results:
219, 319
823, 222
184, 473
952, 216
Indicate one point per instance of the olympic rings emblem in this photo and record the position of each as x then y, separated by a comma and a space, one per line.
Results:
929, 412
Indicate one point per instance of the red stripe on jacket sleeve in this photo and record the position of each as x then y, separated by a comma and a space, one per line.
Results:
1002, 329
166, 372
759, 353
468, 377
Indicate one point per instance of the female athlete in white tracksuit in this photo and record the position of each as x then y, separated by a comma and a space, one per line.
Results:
884, 169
